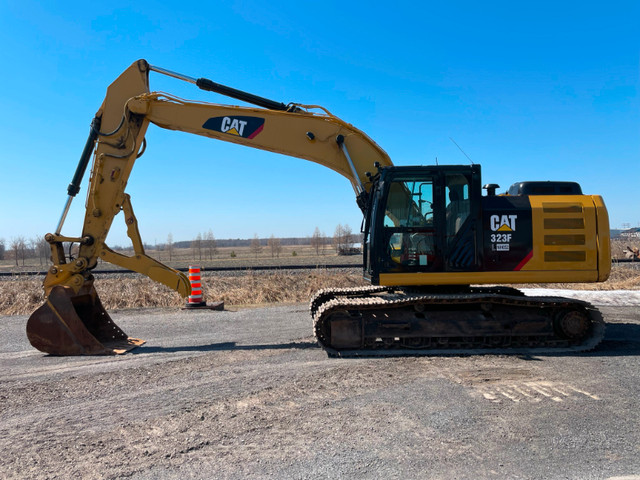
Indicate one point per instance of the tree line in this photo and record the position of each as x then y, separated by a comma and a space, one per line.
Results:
20, 249
203, 246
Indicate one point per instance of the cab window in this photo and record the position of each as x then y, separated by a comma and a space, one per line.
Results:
457, 203
409, 222
409, 204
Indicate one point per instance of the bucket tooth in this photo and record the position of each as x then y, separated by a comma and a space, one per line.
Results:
72, 323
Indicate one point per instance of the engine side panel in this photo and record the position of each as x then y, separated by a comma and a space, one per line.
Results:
568, 234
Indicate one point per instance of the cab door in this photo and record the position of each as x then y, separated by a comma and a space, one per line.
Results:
405, 232
410, 224
423, 220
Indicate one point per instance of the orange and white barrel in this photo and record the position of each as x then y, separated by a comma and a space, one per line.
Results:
195, 279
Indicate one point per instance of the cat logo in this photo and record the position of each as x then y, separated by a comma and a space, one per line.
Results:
241, 126
503, 223
233, 126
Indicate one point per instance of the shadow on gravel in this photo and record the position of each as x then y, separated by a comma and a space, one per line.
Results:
620, 340
225, 346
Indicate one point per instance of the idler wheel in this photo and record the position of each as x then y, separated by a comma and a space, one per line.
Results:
572, 324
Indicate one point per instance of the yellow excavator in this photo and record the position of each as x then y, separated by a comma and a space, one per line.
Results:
435, 245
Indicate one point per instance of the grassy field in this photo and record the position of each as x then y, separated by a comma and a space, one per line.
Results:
290, 255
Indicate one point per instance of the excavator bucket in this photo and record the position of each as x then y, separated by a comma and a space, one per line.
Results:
72, 323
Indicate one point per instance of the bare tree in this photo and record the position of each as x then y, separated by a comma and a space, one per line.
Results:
256, 248
196, 246
343, 239
318, 241
14, 246
338, 238
170, 245
347, 237
2, 248
19, 249
41, 249
275, 246
210, 245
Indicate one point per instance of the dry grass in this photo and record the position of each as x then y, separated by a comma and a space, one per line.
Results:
20, 296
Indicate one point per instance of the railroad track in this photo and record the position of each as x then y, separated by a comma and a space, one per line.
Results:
261, 268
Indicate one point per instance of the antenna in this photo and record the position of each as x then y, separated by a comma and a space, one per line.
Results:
468, 158
437, 164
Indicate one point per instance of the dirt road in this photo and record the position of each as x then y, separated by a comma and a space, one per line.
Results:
248, 394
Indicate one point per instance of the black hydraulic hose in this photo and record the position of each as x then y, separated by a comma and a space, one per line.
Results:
211, 86
206, 84
74, 186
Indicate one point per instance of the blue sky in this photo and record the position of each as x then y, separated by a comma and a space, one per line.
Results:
531, 91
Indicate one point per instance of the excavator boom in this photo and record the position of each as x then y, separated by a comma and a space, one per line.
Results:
73, 321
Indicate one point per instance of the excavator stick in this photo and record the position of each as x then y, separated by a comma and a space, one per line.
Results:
72, 323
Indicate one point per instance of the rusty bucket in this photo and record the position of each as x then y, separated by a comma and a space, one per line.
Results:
72, 323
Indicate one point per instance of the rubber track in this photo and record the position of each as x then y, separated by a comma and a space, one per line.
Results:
358, 299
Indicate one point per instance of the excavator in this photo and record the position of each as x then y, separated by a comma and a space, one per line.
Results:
438, 246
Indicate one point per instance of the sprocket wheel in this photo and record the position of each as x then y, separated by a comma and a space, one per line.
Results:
572, 324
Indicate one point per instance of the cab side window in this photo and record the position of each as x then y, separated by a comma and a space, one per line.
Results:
457, 203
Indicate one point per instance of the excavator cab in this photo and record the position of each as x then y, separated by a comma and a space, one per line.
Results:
432, 225
423, 219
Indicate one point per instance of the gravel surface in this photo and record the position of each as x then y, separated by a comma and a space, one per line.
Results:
248, 394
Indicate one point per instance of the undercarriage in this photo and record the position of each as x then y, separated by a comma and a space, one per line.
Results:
389, 321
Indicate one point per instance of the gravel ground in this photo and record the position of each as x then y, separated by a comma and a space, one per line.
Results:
248, 394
